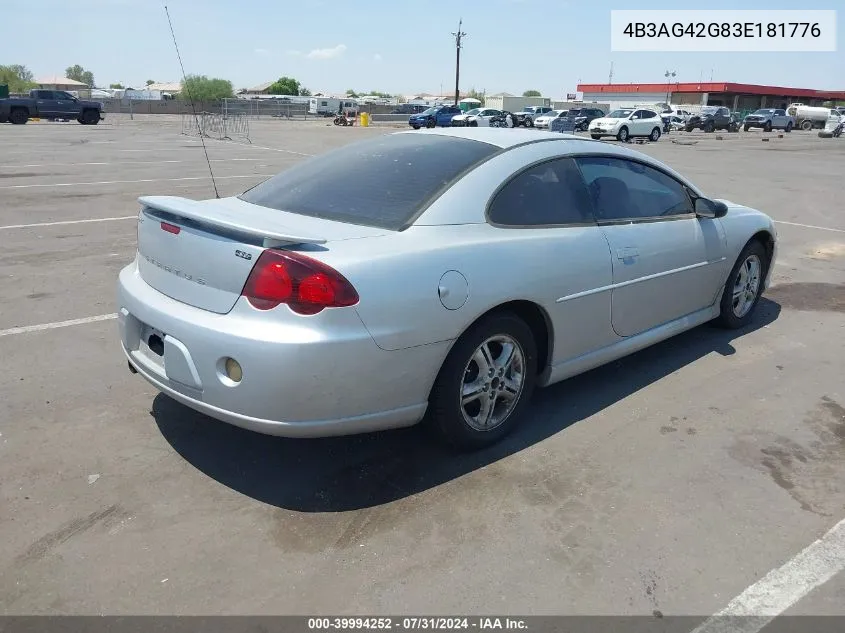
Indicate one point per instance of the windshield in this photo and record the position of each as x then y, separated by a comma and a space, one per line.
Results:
381, 182
473, 111
430, 111
620, 114
764, 111
709, 110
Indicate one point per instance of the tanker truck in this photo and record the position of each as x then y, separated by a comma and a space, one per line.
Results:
808, 117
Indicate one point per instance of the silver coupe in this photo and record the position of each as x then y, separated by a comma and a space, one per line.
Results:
437, 276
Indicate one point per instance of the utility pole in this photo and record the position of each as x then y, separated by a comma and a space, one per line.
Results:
610, 76
458, 37
667, 74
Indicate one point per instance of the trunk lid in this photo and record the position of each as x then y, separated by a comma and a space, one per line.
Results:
201, 252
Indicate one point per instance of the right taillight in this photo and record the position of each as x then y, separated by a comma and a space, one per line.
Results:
306, 285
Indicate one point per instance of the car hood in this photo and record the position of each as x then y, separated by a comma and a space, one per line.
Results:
606, 121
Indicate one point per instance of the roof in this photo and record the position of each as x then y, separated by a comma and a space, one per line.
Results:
700, 87
57, 80
261, 87
500, 137
165, 86
502, 94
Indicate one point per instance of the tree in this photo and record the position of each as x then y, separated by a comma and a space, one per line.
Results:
117, 86
150, 81
377, 93
202, 88
532, 93
351, 93
284, 86
17, 77
304, 92
78, 73
474, 94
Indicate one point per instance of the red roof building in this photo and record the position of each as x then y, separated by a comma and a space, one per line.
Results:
733, 95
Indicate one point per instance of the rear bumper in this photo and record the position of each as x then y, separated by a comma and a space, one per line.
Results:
302, 377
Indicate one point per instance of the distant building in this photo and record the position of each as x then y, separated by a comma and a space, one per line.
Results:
731, 95
172, 88
56, 82
260, 89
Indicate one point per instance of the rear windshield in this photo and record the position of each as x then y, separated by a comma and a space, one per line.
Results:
381, 182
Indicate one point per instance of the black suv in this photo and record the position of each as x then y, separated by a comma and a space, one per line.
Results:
712, 118
584, 116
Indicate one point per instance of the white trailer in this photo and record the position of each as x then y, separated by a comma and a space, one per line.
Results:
328, 106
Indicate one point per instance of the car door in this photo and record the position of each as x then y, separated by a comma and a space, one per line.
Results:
46, 103
779, 119
547, 214
65, 104
723, 117
667, 263
638, 124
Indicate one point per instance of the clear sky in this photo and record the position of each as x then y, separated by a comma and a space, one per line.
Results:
395, 46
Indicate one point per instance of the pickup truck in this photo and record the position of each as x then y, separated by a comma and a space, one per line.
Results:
527, 115
50, 104
769, 119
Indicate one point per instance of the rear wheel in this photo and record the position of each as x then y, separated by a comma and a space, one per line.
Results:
595, 136
485, 382
806, 124
744, 285
18, 116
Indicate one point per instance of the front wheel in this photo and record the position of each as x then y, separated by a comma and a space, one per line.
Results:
745, 128
430, 123
744, 285
655, 135
622, 135
595, 137
485, 382
767, 127
710, 127
90, 117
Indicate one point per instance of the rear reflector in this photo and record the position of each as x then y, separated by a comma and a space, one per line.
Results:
170, 228
306, 285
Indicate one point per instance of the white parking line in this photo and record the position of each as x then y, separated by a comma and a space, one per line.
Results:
781, 588
811, 226
62, 222
121, 182
57, 324
127, 162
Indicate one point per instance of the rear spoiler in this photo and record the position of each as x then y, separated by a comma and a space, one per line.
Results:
254, 223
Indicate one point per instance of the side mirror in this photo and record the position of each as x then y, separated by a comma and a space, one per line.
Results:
706, 208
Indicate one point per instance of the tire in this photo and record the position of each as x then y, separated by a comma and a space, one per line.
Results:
431, 123
745, 128
710, 127
18, 116
529, 122
736, 316
788, 127
689, 128
460, 424
90, 117
416, 127
655, 135
806, 124
767, 127
623, 134
595, 137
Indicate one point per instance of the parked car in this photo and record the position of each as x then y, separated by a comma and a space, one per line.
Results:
626, 123
768, 119
50, 104
544, 120
352, 292
712, 118
585, 116
528, 114
437, 116
409, 108
477, 117
504, 119
676, 122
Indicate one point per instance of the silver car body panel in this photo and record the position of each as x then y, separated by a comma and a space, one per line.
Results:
605, 291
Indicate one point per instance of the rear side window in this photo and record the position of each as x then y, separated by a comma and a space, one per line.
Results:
550, 193
382, 182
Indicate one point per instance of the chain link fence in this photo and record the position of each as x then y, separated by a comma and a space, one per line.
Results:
228, 127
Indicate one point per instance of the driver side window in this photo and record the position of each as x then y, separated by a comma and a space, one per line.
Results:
623, 189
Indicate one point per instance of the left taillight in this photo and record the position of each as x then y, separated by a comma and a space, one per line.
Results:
306, 285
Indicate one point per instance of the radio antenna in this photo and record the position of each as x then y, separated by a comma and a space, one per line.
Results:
187, 87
